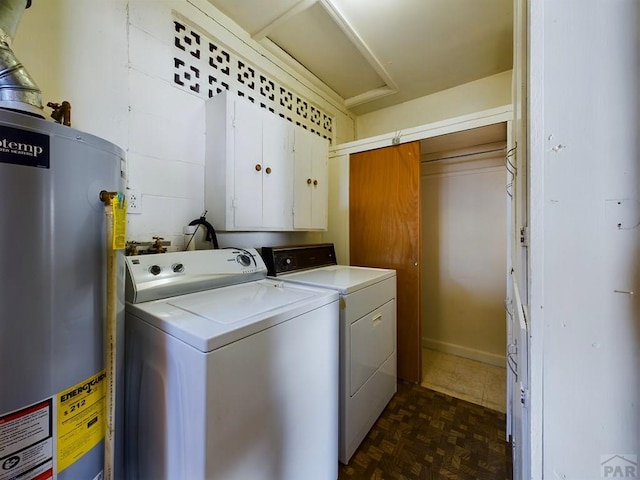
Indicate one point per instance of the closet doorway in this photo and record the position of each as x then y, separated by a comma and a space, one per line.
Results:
464, 197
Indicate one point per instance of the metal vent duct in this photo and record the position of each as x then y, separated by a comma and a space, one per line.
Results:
18, 91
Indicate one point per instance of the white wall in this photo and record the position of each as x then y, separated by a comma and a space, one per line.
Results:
464, 256
585, 246
77, 51
338, 221
483, 94
113, 60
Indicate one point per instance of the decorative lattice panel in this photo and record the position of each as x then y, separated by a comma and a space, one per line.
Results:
204, 67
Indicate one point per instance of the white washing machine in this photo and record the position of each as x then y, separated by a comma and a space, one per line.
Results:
229, 375
367, 331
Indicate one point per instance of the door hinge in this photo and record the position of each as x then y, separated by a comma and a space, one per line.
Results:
524, 396
524, 236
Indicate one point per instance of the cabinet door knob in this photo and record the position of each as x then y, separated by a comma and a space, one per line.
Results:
268, 170
308, 181
315, 183
258, 167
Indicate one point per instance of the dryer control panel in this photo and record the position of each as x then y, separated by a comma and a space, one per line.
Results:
280, 260
162, 275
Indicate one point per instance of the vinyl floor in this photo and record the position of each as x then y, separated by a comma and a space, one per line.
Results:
466, 379
424, 434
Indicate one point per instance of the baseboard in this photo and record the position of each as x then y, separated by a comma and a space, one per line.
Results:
465, 352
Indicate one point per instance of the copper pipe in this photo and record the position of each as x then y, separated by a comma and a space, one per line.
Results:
61, 112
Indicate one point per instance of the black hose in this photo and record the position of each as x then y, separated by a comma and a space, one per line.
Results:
211, 232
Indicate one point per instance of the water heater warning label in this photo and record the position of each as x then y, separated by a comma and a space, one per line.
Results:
24, 147
26, 443
80, 419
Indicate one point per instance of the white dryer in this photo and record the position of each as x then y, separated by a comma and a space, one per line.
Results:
229, 375
367, 331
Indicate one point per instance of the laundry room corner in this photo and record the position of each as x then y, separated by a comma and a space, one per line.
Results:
118, 65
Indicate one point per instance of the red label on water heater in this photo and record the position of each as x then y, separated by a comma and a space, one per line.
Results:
24, 147
26, 443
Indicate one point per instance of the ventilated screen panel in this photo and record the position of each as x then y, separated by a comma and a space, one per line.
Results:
204, 67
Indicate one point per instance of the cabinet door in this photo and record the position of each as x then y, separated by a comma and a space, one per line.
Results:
311, 175
320, 187
277, 173
248, 166
303, 179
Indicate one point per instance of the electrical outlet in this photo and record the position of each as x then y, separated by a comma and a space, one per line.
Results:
134, 201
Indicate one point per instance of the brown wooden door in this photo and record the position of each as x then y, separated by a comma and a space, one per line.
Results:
384, 231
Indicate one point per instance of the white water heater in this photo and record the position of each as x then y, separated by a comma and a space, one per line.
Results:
53, 300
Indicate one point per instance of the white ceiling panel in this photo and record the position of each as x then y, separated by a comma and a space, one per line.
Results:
254, 15
319, 44
381, 53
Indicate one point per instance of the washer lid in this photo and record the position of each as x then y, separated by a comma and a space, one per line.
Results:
237, 304
343, 278
214, 318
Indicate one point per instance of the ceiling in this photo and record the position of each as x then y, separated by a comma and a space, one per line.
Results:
375, 54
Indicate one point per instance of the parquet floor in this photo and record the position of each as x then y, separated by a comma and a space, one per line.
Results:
423, 434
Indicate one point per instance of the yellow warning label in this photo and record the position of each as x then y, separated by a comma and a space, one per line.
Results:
80, 419
119, 223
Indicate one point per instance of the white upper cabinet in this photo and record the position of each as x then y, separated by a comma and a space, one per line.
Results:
249, 167
277, 159
262, 173
311, 193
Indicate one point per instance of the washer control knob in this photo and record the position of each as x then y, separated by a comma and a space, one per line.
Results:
155, 269
244, 259
177, 267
